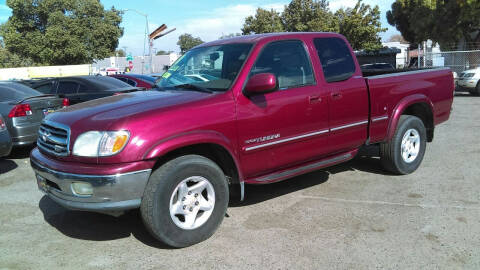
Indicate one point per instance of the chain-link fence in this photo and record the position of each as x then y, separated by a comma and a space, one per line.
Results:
457, 61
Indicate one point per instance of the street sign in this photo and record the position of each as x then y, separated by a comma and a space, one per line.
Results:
157, 31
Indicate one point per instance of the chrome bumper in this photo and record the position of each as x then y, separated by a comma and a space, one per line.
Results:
110, 192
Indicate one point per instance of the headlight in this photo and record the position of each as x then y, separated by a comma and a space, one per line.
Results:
100, 143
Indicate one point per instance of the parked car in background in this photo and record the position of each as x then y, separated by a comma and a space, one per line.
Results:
281, 105
137, 80
32, 81
470, 81
5, 140
24, 108
83, 88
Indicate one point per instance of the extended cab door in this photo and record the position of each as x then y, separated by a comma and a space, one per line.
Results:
348, 94
288, 126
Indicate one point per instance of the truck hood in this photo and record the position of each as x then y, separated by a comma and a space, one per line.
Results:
102, 112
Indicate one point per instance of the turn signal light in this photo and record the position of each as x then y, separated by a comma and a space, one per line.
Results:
66, 102
20, 110
119, 143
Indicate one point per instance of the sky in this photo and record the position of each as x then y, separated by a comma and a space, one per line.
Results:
207, 19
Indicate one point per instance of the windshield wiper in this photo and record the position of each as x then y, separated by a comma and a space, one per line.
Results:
189, 86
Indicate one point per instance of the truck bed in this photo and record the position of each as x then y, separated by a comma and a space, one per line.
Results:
391, 92
375, 72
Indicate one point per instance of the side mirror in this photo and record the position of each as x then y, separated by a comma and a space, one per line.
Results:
261, 83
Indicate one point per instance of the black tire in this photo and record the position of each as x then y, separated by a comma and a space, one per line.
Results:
390, 152
161, 185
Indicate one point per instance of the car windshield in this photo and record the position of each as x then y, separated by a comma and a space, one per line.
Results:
213, 67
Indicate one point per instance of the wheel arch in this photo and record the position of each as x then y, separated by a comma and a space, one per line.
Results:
416, 105
209, 144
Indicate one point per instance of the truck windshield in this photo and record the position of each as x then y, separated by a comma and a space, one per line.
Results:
213, 67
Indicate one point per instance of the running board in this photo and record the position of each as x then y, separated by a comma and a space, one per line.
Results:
288, 173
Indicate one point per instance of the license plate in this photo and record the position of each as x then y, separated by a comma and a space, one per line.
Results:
48, 111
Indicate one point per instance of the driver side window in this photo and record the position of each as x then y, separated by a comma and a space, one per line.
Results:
288, 61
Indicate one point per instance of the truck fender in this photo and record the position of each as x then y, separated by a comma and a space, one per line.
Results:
191, 138
402, 105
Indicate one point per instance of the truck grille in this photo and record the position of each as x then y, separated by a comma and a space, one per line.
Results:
53, 138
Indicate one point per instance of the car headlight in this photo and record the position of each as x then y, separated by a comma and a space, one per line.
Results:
100, 143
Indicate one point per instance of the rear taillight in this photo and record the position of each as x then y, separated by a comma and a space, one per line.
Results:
66, 102
20, 110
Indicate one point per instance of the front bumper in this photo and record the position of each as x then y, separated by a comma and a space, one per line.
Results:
468, 83
111, 193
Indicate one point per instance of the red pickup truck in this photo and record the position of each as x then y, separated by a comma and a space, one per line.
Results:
253, 109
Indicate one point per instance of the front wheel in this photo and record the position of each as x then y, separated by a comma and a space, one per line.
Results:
404, 152
185, 200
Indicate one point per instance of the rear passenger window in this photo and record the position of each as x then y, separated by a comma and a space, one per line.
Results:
336, 59
288, 61
67, 88
82, 88
45, 88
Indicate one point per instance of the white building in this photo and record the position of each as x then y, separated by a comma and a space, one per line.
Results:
402, 57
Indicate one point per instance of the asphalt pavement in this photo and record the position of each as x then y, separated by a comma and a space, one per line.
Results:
351, 216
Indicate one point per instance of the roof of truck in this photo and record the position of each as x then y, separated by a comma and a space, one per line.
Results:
270, 36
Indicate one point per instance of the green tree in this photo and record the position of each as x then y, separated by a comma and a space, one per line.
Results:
231, 35
59, 32
445, 22
9, 60
187, 41
118, 53
264, 21
309, 16
361, 25
397, 38
162, 52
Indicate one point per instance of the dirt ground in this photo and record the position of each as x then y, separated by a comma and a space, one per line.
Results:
351, 216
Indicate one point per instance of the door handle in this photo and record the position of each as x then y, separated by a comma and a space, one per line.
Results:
337, 95
314, 99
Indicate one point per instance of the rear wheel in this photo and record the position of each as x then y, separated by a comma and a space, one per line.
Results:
404, 152
185, 201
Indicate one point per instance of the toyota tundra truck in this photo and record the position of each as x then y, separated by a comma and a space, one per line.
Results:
267, 107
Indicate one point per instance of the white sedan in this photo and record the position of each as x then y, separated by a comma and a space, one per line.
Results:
470, 79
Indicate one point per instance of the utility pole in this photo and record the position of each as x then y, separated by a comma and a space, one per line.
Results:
157, 33
418, 56
146, 35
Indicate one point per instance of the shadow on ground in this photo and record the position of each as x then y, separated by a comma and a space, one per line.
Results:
464, 94
7, 165
21, 152
367, 160
96, 226
100, 227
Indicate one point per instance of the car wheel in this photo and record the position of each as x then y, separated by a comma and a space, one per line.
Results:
477, 89
185, 200
404, 152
